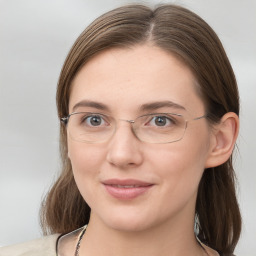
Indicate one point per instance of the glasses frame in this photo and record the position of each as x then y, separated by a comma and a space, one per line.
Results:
65, 121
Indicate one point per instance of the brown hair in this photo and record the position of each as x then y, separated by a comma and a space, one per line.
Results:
183, 33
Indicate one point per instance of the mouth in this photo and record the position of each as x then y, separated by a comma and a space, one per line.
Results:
126, 189
125, 186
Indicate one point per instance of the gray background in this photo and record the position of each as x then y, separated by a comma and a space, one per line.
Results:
35, 36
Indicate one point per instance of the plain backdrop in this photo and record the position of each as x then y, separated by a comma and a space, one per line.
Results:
35, 37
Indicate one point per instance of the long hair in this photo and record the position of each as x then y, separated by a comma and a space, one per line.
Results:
188, 37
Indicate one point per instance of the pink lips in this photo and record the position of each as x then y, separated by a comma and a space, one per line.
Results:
126, 189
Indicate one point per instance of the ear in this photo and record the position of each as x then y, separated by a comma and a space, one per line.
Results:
223, 140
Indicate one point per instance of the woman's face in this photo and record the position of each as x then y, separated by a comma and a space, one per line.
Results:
129, 184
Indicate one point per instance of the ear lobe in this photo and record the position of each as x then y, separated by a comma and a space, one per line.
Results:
224, 137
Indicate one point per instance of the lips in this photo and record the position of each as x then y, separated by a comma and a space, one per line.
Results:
126, 189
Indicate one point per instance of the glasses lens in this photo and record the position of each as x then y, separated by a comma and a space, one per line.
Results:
152, 128
90, 127
160, 128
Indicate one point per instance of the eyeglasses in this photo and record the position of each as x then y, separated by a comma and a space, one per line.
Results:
91, 127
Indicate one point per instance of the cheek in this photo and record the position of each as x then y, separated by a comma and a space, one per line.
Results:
86, 161
181, 166
83, 156
181, 183
183, 171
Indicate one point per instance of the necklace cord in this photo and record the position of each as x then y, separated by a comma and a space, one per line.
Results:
83, 232
79, 241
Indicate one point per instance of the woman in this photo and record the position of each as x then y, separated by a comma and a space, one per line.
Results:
149, 107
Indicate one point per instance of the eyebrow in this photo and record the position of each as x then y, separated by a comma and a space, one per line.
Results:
92, 104
145, 107
160, 104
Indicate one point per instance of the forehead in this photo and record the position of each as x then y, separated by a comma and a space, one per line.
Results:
124, 79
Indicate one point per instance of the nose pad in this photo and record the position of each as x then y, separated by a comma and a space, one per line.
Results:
124, 147
131, 122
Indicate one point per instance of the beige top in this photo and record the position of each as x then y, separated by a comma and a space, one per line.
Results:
45, 246
49, 245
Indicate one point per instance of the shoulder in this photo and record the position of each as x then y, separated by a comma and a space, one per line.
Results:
69, 244
45, 246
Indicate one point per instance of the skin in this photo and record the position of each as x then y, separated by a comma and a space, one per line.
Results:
161, 221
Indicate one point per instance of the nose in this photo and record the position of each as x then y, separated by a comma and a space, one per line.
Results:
124, 148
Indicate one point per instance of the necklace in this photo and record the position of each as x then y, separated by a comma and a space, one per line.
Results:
79, 241
83, 232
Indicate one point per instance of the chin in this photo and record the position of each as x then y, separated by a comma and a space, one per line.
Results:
128, 222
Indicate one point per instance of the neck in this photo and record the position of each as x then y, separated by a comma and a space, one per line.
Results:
166, 239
